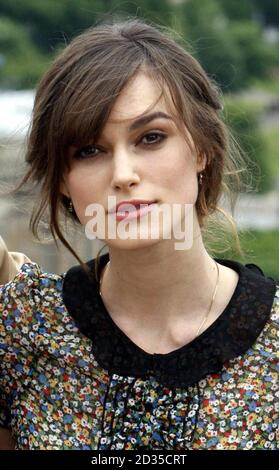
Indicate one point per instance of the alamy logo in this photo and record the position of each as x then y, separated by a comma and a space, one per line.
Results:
141, 221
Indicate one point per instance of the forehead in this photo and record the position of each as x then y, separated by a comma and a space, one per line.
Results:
141, 93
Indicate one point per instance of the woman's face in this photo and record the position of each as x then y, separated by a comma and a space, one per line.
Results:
134, 160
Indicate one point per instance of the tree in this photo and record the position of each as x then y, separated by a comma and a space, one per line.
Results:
269, 11
39, 28
21, 63
52, 22
232, 49
238, 10
207, 30
243, 121
259, 57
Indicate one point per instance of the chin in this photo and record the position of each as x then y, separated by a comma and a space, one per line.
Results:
131, 244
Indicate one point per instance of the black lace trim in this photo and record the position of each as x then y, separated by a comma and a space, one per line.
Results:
231, 335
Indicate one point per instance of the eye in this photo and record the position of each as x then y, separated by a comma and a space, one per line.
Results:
86, 152
153, 138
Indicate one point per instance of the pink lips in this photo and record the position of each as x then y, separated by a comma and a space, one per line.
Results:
133, 202
135, 213
132, 209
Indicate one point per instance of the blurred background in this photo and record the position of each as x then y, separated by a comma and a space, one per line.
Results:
236, 41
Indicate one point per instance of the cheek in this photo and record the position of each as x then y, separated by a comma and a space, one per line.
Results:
180, 177
84, 190
78, 185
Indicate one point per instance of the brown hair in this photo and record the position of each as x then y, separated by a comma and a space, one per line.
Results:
75, 96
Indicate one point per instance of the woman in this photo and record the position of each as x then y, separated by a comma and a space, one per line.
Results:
147, 346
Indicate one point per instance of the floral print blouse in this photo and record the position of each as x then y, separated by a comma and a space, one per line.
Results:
71, 379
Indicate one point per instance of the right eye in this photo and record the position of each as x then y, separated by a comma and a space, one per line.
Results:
86, 152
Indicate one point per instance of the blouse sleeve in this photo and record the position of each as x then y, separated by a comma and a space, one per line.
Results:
267, 343
10, 262
19, 300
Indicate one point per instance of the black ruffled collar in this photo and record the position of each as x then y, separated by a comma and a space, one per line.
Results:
231, 335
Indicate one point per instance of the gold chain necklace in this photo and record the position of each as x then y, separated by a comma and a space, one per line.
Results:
102, 277
212, 300
208, 311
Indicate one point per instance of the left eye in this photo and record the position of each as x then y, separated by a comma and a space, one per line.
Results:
153, 138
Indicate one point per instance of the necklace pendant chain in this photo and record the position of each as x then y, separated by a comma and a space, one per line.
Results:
102, 277
211, 303
207, 313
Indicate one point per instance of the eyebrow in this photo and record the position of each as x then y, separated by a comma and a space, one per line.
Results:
142, 121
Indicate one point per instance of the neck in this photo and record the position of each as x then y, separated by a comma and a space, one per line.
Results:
158, 284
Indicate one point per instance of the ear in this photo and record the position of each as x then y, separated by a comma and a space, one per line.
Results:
64, 189
201, 162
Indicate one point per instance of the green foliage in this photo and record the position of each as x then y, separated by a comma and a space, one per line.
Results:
243, 120
260, 248
238, 9
271, 137
157, 11
269, 11
227, 41
258, 57
206, 28
269, 85
226, 35
21, 62
51, 22
38, 28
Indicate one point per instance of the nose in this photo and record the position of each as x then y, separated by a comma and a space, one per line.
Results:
125, 174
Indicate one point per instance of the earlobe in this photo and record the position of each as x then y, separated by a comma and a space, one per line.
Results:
202, 162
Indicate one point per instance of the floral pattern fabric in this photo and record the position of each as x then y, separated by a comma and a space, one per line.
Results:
54, 394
